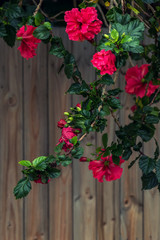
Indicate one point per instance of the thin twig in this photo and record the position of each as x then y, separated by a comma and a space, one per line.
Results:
123, 6
140, 8
155, 96
116, 76
20, 3
115, 119
151, 8
102, 14
141, 19
130, 60
55, 16
115, 3
38, 7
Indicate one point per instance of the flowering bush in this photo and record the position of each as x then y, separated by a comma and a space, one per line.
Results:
120, 41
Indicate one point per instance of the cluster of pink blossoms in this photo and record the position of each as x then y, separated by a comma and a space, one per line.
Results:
82, 25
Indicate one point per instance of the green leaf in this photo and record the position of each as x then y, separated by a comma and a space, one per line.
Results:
114, 103
133, 9
58, 148
3, 32
127, 153
25, 163
152, 119
42, 32
146, 164
146, 132
39, 18
156, 153
133, 162
23, 188
77, 152
39, 163
106, 79
12, 10
149, 181
105, 139
11, 35
53, 173
68, 69
115, 159
114, 92
74, 88
158, 170
57, 47
74, 140
115, 35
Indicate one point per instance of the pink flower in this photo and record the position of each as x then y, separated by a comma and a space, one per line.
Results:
29, 43
39, 180
133, 108
67, 133
78, 105
82, 25
134, 81
61, 123
104, 61
106, 168
83, 159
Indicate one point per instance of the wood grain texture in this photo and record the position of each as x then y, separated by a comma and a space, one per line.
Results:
131, 194
84, 188
60, 190
11, 213
36, 141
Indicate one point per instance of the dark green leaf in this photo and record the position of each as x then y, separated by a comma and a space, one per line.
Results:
23, 188
41, 32
68, 69
77, 152
11, 35
127, 153
146, 164
106, 79
58, 148
3, 32
105, 139
149, 181
12, 10
156, 153
53, 173
152, 119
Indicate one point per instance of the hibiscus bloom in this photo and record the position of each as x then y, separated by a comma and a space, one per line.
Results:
67, 134
106, 168
134, 81
82, 25
29, 42
61, 123
104, 61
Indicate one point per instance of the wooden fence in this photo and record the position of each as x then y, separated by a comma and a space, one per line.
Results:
75, 206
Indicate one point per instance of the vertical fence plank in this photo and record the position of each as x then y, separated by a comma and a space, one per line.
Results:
131, 194
60, 190
11, 218
84, 188
108, 198
152, 199
36, 141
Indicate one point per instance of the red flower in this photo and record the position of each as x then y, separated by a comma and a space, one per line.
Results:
106, 168
83, 159
78, 105
39, 180
133, 108
134, 79
61, 123
104, 61
29, 42
82, 25
67, 133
